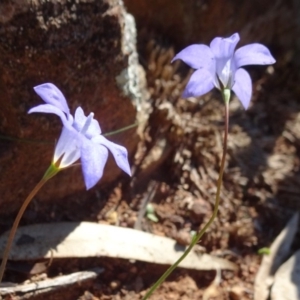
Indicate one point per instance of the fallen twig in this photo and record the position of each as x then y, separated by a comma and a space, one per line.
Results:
52, 284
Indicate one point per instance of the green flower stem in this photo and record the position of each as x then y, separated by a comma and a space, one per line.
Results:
29, 141
52, 170
197, 237
121, 129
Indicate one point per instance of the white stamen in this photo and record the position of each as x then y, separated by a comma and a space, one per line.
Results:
87, 123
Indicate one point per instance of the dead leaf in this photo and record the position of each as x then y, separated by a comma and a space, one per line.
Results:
84, 239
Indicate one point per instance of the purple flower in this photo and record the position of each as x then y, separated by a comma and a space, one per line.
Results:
80, 137
218, 65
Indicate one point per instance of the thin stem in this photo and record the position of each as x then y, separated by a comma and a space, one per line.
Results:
16, 224
195, 240
29, 141
121, 130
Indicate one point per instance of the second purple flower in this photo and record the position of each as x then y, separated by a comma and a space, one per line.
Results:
219, 66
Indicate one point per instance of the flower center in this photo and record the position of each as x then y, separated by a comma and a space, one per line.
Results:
226, 74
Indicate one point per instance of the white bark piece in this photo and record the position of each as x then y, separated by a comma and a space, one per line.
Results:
84, 239
287, 280
279, 251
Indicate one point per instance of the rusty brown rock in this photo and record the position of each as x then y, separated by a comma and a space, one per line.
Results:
194, 21
87, 49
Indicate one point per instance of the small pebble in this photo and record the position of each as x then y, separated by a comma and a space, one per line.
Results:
183, 237
199, 210
115, 284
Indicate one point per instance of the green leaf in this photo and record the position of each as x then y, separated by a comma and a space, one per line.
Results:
264, 251
152, 217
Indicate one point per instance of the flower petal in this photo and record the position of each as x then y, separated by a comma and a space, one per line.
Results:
197, 56
253, 54
224, 47
243, 87
93, 160
52, 95
50, 109
68, 147
199, 84
80, 120
119, 152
